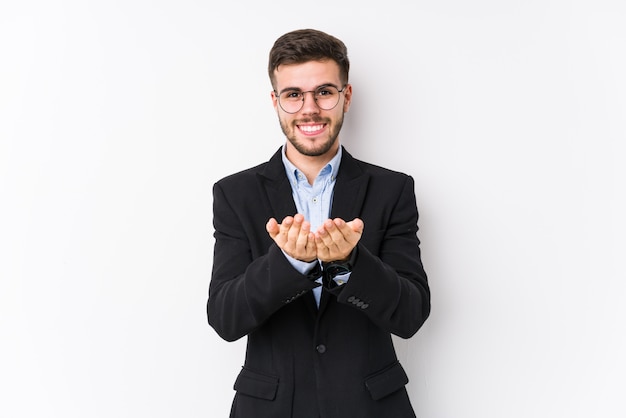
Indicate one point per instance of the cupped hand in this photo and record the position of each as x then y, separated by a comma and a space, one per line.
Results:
293, 235
335, 238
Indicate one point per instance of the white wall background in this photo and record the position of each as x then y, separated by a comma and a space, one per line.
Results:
117, 117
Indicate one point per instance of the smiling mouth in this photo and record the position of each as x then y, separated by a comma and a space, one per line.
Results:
312, 129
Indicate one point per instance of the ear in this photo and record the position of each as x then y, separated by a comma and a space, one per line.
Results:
347, 92
274, 100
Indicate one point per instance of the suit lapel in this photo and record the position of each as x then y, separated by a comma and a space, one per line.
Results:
277, 187
350, 189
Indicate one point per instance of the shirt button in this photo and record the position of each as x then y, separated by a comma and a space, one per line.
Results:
321, 348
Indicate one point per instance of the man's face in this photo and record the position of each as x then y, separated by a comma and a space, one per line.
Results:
311, 131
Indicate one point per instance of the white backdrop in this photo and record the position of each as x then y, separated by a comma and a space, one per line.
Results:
117, 117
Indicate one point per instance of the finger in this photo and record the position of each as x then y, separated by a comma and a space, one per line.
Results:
341, 238
357, 225
336, 229
286, 225
351, 231
272, 227
294, 229
327, 248
311, 246
323, 233
323, 252
303, 237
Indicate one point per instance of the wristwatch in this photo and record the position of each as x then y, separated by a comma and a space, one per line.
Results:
336, 268
333, 269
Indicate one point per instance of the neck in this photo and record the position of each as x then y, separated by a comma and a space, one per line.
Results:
310, 165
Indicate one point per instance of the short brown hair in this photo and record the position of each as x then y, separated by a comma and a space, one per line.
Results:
305, 45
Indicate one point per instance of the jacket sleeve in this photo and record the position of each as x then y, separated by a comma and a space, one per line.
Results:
247, 284
388, 282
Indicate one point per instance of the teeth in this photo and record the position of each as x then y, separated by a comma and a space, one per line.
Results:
311, 128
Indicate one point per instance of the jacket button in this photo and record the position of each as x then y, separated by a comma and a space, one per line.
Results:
321, 348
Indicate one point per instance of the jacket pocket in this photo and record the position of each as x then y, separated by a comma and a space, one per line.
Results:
256, 384
387, 381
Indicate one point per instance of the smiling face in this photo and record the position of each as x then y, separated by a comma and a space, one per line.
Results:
311, 131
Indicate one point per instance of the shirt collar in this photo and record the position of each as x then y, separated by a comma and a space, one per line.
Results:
331, 168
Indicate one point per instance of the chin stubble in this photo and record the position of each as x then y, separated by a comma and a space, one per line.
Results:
324, 148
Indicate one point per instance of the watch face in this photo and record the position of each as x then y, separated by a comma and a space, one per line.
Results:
336, 269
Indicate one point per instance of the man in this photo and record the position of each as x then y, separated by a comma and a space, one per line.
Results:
320, 293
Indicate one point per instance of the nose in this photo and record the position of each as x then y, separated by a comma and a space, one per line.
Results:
310, 105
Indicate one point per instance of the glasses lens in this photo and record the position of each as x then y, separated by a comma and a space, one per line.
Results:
291, 101
326, 98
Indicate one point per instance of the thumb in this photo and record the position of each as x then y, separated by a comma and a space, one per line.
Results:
357, 225
272, 227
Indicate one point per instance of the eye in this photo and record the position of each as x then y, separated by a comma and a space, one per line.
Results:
326, 92
291, 95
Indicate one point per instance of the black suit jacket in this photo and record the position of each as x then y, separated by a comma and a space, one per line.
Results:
337, 361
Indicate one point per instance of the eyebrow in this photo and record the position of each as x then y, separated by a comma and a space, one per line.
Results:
299, 89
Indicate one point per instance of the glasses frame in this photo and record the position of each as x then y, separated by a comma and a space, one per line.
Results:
303, 93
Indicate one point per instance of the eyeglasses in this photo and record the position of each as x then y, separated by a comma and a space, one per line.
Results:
326, 97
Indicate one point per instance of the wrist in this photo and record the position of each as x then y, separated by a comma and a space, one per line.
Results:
338, 267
